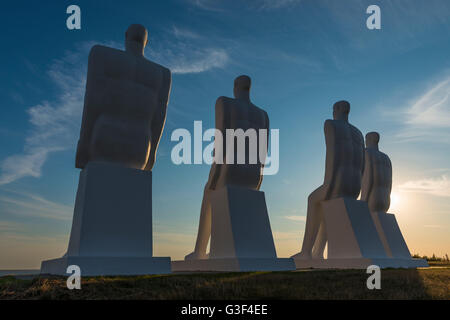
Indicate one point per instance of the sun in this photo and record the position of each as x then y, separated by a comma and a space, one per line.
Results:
395, 201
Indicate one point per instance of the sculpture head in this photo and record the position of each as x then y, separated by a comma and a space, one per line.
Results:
372, 139
242, 86
341, 109
136, 38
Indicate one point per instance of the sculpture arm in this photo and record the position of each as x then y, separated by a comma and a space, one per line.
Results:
89, 112
159, 120
220, 125
263, 161
367, 179
267, 127
330, 162
389, 173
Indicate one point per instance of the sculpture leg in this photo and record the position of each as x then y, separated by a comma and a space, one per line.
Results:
313, 221
204, 229
321, 241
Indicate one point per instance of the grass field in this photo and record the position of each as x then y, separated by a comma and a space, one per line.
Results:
430, 283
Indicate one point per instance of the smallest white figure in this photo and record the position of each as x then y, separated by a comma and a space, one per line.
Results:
337, 219
376, 191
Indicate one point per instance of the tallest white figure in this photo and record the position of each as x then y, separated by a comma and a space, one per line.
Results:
123, 118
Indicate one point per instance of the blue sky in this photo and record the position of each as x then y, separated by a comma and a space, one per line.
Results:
302, 56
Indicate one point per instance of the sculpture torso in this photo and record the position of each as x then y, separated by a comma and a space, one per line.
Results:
238, 114
123, 94
377, 180
344, 159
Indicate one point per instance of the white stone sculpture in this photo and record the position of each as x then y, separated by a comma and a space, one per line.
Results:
123, 118
334, 216
376, 191
233, 212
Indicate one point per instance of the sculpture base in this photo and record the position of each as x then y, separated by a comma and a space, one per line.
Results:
358, 263
234, 265
108, 266
350, 230
241, 237
112, 224
389, 230
240, 226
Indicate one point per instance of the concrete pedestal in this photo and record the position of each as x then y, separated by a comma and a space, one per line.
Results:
388, 229
241, 237
359, 263
353, 239
392, 238
112, 225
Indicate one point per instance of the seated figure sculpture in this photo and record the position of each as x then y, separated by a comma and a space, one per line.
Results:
237, 113
124, 113
376, 191
377, 177
343, 171
124, 106
233, 212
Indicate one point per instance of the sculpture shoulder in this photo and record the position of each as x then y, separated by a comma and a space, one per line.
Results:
224, 100
385, 156
99, 52
357, 135
371, 154
165, 71
258, 109
223, 103
329, 126
262, 115
386, 159
355, 130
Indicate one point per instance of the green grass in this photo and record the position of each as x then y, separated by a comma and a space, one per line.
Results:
431, 283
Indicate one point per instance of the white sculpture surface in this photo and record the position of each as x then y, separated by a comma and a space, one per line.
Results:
123, 118
343, 171
233, 212
376, 191
334, 216
237, 113
124, 105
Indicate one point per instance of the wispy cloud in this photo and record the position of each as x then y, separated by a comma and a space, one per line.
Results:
296, 218
432, 109
426, 117
286, 236
219, 5
187, 52
302, 61
191, 61
276, 4
439, 186
8, 226
434, 226
207, 5
55, 124
183, 33
32, 205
